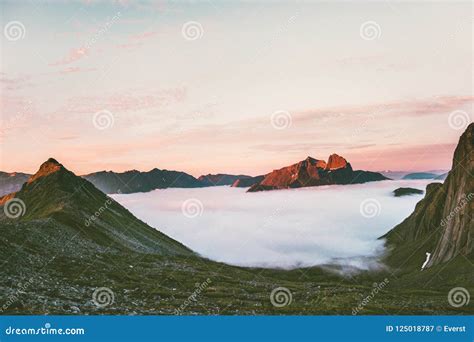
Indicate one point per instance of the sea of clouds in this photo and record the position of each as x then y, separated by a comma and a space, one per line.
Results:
337, 224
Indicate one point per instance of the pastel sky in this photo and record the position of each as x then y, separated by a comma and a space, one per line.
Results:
235, 87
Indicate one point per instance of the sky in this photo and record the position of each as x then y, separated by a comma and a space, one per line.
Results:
233, 87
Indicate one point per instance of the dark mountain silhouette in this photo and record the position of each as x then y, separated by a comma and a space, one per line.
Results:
135, 181
220, 179
314, 172
442, 224
247, 182
11, 182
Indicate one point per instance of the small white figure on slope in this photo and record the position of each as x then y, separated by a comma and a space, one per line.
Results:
426, 261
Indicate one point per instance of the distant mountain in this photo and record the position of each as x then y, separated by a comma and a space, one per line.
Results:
135, 181
394, 174
247, 182
314, 172
420, 175
11, 182
220, 179
65, 205
442, 224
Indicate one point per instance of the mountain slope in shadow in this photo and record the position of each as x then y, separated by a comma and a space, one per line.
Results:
135, 181
442, 224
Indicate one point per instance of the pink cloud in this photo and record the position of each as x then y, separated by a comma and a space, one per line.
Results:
71, 70
124, 101
144, 35
14, 83
74, 55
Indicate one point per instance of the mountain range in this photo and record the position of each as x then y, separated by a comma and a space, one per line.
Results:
221, 179
11, 182
133, 181
136, 181
63, 240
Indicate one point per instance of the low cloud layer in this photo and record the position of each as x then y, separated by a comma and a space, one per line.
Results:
282, 229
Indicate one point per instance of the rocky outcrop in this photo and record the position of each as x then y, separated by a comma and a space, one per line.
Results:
220, 179
314, 172
442, 223
247, 182
406, 192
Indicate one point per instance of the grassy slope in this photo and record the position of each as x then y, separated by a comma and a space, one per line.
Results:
145, 283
